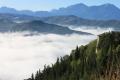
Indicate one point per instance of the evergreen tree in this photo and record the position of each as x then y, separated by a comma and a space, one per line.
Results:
85, 64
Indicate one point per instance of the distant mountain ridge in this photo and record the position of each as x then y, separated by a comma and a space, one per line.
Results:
100, 12
75, 21
9, 24
45, 28
70, 21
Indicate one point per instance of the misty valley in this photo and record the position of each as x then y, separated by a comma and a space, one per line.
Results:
77, 42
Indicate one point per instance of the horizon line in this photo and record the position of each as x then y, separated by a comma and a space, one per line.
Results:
57, 8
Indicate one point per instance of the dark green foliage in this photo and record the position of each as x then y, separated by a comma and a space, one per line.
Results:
84, 63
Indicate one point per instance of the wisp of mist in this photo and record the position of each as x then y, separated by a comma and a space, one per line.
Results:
91, 29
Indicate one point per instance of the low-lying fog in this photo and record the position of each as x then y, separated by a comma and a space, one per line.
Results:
21, 55
89, 29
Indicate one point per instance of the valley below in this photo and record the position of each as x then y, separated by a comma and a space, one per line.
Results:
22, 55
76, 42
18, 51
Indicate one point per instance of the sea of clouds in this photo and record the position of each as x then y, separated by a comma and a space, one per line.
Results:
90, 29
22, 55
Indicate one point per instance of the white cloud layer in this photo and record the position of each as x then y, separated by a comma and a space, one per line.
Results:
90, 29
21, 55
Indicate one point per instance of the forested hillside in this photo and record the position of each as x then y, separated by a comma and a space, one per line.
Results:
99, 60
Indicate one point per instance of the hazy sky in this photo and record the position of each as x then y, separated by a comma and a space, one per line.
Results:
51, 4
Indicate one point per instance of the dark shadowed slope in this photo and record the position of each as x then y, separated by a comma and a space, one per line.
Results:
14, 23
41, 27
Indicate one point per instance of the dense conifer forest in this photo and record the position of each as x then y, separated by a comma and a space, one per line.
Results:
99, 60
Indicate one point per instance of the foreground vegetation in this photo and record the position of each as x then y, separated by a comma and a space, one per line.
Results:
99, 60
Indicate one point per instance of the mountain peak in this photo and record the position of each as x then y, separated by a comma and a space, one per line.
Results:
109, 5
7, 8
4, 7
79, 5
99, 12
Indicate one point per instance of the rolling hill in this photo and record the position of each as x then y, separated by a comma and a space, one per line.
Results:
9, 25
41, 27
